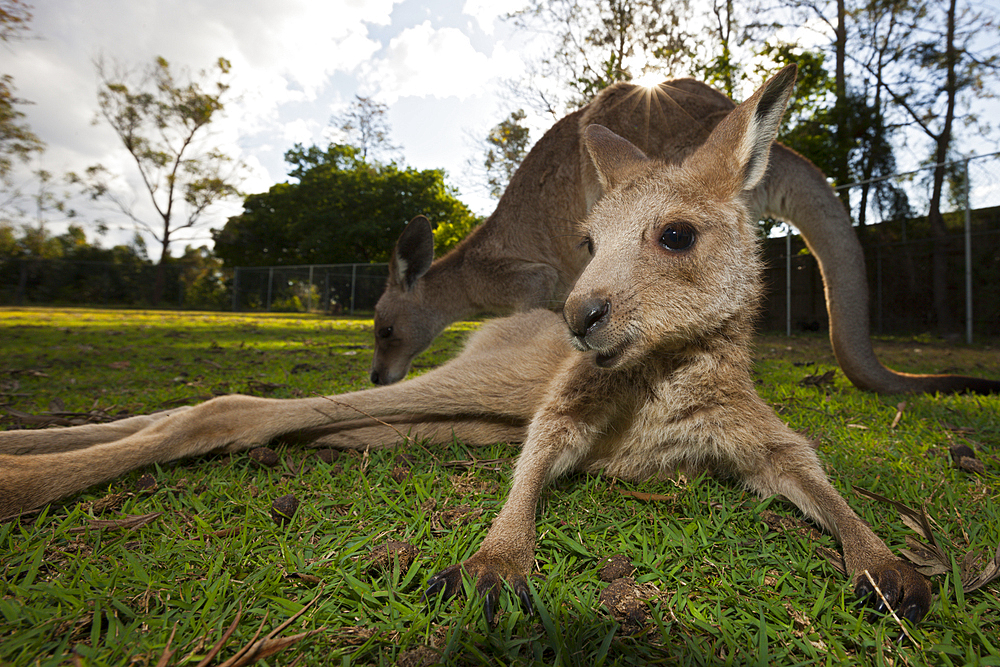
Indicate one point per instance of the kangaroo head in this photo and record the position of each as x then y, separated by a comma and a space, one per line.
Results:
674, 259
402, 329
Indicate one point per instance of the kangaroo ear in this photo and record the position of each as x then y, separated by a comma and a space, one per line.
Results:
743, 138
615, 158
413, 254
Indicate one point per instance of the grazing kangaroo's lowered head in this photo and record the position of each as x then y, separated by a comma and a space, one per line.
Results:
404, 325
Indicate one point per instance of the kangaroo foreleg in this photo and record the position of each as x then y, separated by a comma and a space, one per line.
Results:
793, 471
507, 553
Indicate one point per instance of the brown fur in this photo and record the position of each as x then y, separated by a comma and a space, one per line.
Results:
659, 378
528, 254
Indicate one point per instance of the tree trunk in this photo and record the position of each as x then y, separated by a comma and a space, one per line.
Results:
842, 168
160, 277
939, 232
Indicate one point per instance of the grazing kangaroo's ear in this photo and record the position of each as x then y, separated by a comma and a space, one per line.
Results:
744, 137
413, 254
614, 157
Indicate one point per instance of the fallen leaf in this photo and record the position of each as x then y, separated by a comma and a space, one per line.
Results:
647, 497
972, 580
818, 380
269, 645
929, 560
916, 520
118, 365
130, 523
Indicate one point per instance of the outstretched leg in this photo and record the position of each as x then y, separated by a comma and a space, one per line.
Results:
46, 441
794, 472
485, 391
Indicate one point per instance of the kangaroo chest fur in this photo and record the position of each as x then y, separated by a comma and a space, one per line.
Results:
672, 413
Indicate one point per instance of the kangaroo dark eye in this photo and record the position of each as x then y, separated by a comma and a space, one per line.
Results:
385, 332
588, 243
677, 236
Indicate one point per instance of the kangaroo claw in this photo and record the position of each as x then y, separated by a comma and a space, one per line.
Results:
489, 582
446, 583
902, 589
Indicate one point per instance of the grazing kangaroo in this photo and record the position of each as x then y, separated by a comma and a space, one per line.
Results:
654, 375
527, 254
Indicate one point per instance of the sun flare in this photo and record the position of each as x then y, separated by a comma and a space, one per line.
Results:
648, 79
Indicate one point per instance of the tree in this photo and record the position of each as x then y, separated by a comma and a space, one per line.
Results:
341, 210
946, 67
364, 125
598, 43
505, 148
17, 141
734, 29
163, 121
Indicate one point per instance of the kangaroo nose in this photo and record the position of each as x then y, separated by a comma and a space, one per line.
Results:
588, 316
375, 377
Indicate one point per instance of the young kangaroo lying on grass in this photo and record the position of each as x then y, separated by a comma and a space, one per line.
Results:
653, 375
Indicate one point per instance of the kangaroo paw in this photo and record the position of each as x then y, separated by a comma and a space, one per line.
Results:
905, 590
489, 581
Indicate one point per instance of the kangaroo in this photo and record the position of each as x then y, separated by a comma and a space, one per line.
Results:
647, 371
528, 254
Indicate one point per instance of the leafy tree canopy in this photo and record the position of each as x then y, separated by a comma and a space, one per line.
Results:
17, 141
341, 210
506, 147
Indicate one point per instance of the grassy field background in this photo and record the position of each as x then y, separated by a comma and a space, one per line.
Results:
183, 563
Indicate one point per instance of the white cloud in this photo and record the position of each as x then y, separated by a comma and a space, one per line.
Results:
423, 61
300, 131
487, 12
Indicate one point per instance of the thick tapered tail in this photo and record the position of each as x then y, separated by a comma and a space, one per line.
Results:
796, 191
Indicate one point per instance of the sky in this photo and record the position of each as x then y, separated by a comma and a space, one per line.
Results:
437, 65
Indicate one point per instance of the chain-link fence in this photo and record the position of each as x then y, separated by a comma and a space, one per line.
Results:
899, 247
324, 288
38, 281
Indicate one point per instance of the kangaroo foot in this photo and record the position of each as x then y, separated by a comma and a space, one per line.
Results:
905, 590
489, 576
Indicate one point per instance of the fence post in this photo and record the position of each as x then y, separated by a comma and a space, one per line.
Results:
878, 284
968, 258
354, 278
788, 281
309, 298
270, 280
236, 287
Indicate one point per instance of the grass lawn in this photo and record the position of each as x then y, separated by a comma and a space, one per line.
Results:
179, 563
